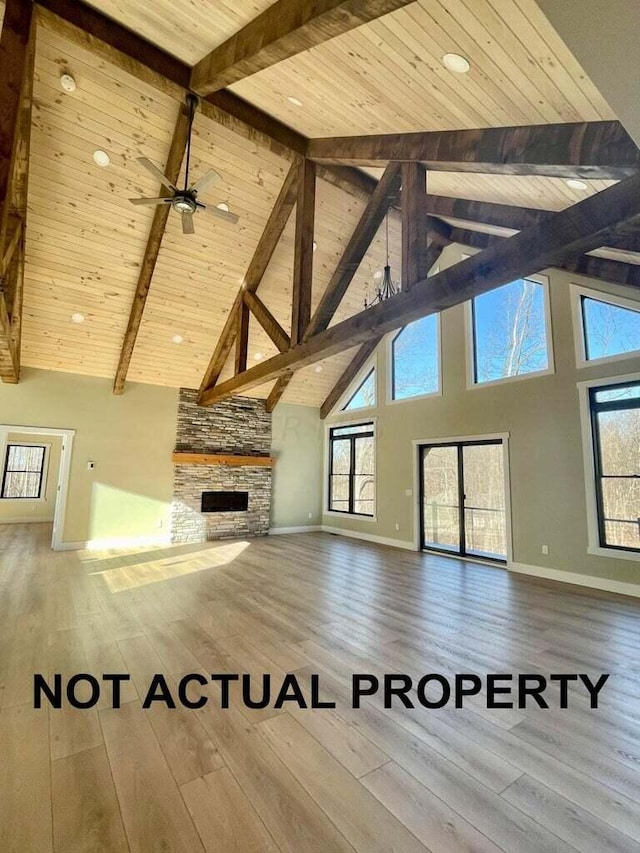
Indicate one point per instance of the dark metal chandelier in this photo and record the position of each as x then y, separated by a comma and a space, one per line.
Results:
387, 287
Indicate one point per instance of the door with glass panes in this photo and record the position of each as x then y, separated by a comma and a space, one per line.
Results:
463, 498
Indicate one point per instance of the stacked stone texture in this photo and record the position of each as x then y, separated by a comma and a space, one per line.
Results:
239, 427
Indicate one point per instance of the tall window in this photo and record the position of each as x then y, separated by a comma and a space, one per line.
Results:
511, 334
352, 469
365, 394
615, 418
610, 325
23, 471
415, 369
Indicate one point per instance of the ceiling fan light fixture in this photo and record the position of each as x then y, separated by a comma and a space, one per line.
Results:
101, 158
456, 63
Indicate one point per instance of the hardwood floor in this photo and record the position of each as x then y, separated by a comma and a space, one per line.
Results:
242, 780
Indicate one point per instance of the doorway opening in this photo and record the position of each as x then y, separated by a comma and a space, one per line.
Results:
464, 498
61, 476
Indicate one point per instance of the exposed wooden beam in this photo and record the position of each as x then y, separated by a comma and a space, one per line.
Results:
438, 238
414, 224
355, 366
277, 391
242, 339
507, 216
603, 269
88, 28
267, 243
268, 322
284, 29
488, 213
17, 50
114, 43
383, 196
569, 233
600, 149
303, 251
149, 260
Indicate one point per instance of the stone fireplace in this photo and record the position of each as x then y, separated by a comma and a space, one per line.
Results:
222, 452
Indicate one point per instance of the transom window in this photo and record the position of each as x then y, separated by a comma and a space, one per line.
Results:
511, 333
415, 357
23, 472
365, 394
610, 325
352, 469
615, 418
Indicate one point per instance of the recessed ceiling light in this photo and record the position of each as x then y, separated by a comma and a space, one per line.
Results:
456, 63
295, 101
77, 318
315, 245
377, 275
258, 356
177, 339
576, 185
101, 158
67, 83
223, 206
318, 368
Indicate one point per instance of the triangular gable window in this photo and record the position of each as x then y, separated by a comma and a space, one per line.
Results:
609, 329
365, 394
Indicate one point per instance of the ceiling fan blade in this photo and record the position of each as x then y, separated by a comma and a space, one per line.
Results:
155, 171
187, 223
151, 200
224, 214
209, 178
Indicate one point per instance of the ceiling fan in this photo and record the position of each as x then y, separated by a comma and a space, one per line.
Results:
185, 201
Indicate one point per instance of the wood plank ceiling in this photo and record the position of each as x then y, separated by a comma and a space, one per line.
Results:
85, 241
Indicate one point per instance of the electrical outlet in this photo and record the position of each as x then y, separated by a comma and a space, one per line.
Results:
545, 549
397, 526
159, 523
310, 515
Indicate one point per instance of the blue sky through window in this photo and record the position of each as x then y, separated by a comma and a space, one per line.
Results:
510, 331
365, 395
414, 352
609, 329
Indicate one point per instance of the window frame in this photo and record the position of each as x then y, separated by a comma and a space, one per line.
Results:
578, 293
363, 413
389, 398
470, 341
42, 486
336, 513
594, 541
355, 389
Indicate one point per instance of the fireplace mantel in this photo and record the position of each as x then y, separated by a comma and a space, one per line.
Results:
221, 459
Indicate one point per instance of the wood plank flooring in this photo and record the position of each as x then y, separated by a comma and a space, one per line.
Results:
373, 780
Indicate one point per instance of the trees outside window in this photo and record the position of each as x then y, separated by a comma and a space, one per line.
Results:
352, 469
615, 417
510, 332
365, 394
415, 357
610, 326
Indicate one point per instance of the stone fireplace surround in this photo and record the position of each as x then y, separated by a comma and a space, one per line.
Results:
239, 426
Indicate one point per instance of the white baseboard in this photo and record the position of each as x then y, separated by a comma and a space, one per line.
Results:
104, 544
307, 528
620, 587
26, 519
370, 537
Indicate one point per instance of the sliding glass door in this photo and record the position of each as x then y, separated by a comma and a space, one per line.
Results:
462, 499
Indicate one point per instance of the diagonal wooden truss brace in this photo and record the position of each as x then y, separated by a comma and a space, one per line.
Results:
569, 233
17, 50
